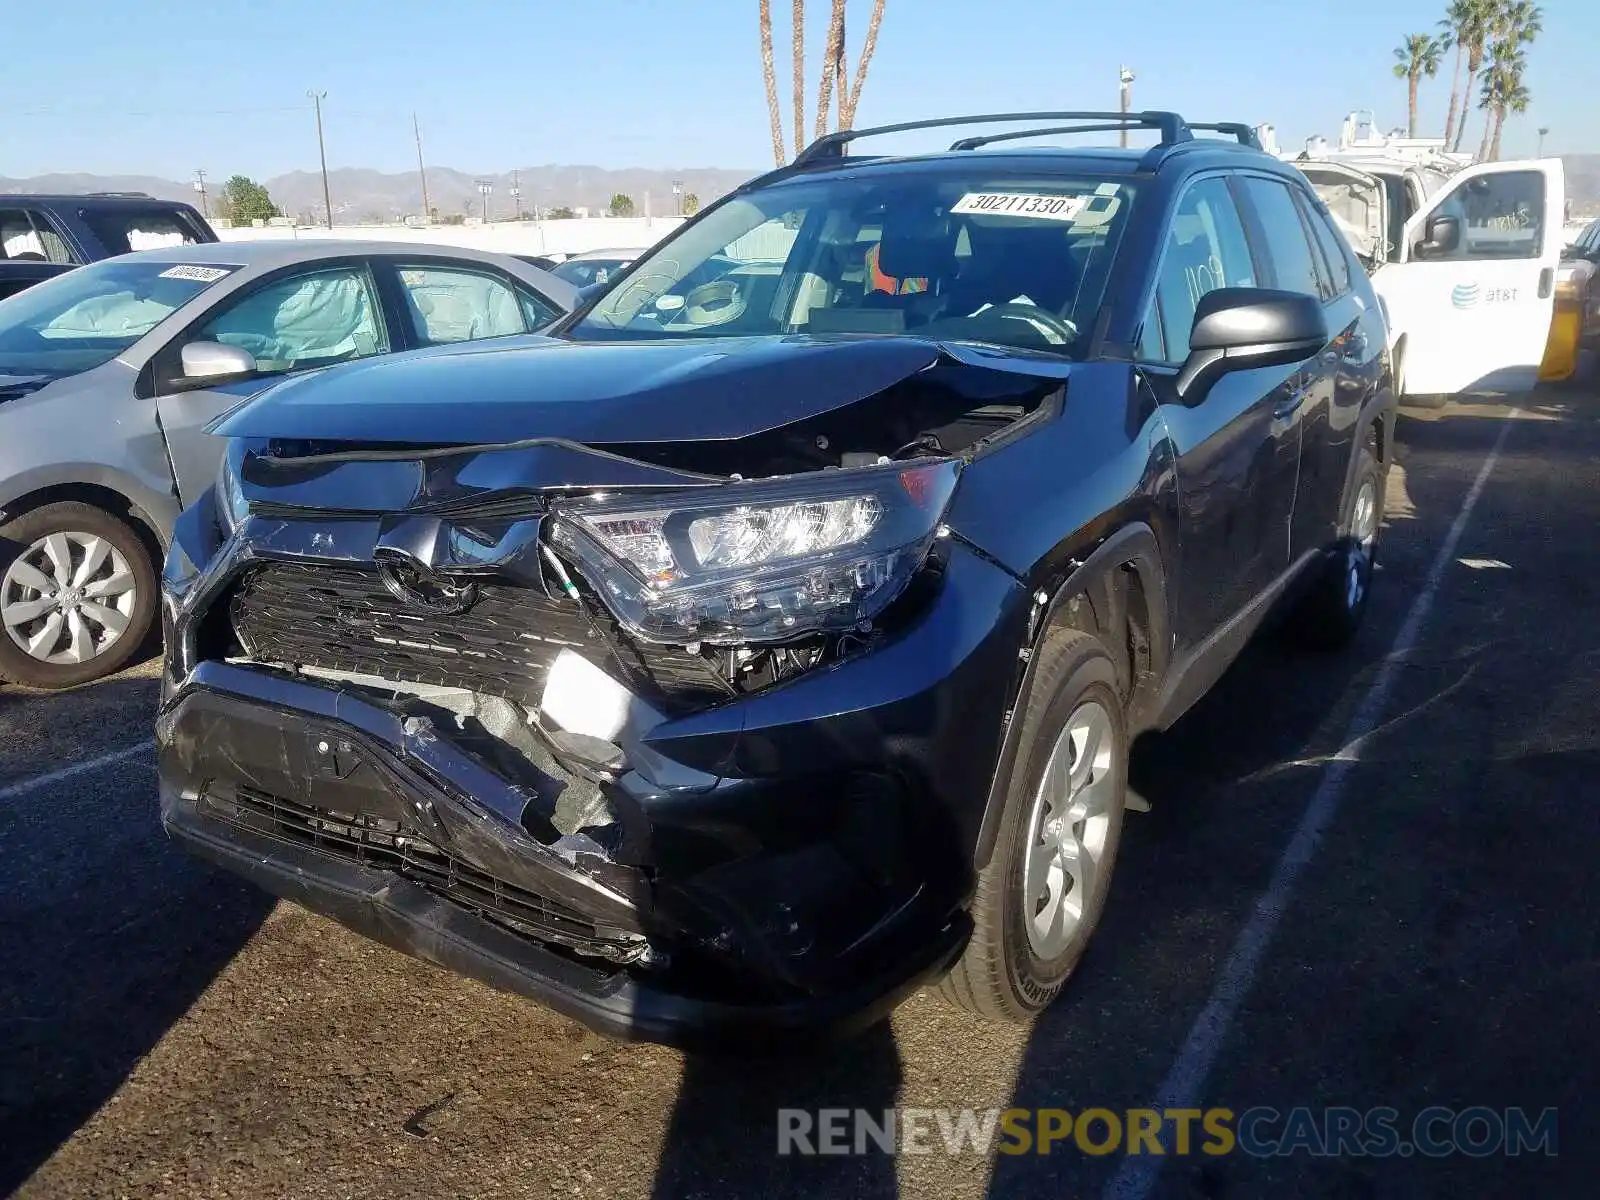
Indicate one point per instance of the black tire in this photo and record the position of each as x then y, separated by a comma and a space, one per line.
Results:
71, 517
1001, 976
1331, 611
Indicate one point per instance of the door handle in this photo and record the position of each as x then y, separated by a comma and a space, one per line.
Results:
1547, 282
1287, 406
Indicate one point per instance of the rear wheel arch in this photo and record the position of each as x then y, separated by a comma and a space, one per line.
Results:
1118, 594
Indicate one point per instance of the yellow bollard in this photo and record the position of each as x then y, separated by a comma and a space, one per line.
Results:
1561, 348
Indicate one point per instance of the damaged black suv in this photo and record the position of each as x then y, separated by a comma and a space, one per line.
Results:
768, 639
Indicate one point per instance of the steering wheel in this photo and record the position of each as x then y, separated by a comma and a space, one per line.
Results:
709, 304
1041, 318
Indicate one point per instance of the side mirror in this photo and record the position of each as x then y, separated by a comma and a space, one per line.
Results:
1239, 328
1442, 236
205, 362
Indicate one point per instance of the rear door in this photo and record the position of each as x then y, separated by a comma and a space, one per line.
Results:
1305, 425
1476, 315
1236, 459
31, 249
298, 320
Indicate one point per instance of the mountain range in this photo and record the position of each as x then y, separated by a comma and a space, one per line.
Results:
360, 194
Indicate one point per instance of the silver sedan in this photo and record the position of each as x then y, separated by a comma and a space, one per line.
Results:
110, 373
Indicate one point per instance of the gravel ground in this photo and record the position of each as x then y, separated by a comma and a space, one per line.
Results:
167, 1031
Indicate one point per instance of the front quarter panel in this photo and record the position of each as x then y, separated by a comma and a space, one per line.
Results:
88, 429
1041, 502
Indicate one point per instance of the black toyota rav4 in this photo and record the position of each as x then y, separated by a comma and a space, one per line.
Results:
768, 640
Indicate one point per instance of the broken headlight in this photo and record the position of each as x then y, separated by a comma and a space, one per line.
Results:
763, 561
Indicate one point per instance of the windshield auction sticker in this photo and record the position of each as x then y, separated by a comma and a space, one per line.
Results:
1021, 204
197, 274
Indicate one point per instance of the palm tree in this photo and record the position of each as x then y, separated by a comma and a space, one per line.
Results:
1417, 56
832, 62
770, 74
1477, 21
1453, 24
835, 80
1515, 24
798, 24
847, 117
1514, 99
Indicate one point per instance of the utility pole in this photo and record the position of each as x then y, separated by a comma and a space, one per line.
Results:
1543, 129
205, 204
1126, 97
516, 192
327, 200
677, 194
422, 172
484, 189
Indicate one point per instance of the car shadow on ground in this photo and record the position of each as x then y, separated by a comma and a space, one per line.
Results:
107, 932
723, 1131
1226, 784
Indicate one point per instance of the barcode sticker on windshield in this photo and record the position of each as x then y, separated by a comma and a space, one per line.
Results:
196, 274
1020, 204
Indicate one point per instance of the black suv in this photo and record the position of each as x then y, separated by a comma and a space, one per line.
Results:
42, 236
769, 640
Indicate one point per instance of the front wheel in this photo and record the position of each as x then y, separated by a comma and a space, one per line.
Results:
1040, 898
77, 595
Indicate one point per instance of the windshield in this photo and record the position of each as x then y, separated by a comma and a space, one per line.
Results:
86, 317
1013, 260
581, 272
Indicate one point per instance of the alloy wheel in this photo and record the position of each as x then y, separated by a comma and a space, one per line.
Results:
67, 598
1067, 867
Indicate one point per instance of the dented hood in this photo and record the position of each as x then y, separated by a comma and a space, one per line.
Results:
704, 389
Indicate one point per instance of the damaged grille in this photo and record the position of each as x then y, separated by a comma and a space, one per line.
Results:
379, 843
344, 619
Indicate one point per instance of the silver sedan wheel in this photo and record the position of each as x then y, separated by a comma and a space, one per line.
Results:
1066, 872
67, 598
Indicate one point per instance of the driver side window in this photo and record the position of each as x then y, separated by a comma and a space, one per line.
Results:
1205, 250
304, 321
1501, 215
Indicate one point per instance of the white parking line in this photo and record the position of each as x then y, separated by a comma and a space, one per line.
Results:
1137, 1176
23, 786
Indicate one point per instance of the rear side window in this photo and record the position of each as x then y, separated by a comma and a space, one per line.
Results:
449, 304
1288, 250
1335, 263
1205, 249
26, 234
123, 230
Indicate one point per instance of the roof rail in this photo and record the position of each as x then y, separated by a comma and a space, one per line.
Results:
1238, 129
1012, 135
832, 145
132, 195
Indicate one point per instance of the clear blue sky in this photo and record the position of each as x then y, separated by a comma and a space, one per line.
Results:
126, 88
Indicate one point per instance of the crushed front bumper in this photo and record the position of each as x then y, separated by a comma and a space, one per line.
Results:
792, 862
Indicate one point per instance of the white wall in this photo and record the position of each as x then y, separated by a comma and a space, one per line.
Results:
507, 237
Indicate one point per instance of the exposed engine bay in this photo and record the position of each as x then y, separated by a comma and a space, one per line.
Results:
487, 512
